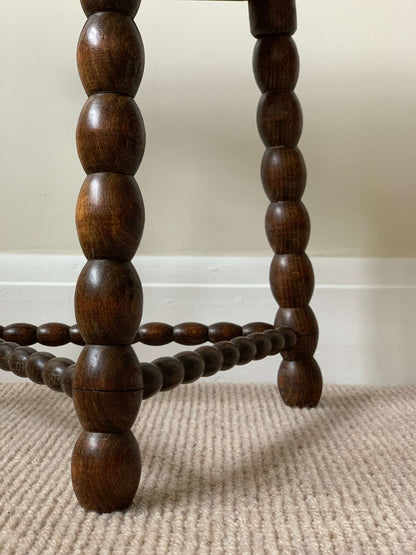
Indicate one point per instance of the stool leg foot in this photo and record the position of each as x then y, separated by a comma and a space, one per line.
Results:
300, 382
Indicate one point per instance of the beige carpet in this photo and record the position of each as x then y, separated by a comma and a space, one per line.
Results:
226, 469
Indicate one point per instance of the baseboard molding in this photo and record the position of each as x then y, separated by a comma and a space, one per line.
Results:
366, 307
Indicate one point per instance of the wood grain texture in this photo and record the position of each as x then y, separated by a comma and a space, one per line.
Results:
283, 173
193, 365
110, 54
213, 359
53, 334
110, 216
21, 333
107, 385
17, 358
279, 118
152, 379
110, 134
276, 63
108, 302
106, 470
53, 372
270, 17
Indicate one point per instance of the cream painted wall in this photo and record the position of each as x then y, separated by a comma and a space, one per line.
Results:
199, 176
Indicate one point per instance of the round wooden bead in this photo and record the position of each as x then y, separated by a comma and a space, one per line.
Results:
276, 63
110, 54
300, 382
193, 364
107, 388
107, 411
105, 470
246, 348
75, 335
108, 302
289, 336
287, 227
253, 327
172, 370
279, 119
53, 334
262, 343
304, 322
128, 7
152, 379
190, 333
268, 17
277, 341
291, 280
35, 364
108, 368
230, 353
53, 371
21, 333
67, 379
110, 134
213, 359
17, 360
109, 216
223, 331
283, 173
155, 333
6, 348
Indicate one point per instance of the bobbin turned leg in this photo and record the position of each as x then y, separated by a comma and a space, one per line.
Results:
279, 120
108, 384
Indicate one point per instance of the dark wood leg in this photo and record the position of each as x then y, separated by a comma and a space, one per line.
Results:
279, 119
108, 383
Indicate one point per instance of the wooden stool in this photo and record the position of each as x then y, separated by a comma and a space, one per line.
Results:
108, 383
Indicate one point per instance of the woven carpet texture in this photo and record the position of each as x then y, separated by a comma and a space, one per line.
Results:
227, 469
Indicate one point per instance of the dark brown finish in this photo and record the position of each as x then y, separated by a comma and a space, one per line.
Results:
262, 343
110, 54
223, 331
108, 124
128, 7
276, 63
21, 333
230, 353
53, 371
108, 302
252, 327
152, 379
291, 280
75, 335
6, 348
287, 226
110, 216
277, 340
279, 118
35, 364
190, 333
213, 359
108, 385
270, 17
17, 360
67, 379
306, 375
106, 470
283, 172
246, 348
172, 370
155, 333
53, 334
193, 365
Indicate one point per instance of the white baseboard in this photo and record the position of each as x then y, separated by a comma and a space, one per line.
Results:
366, 308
